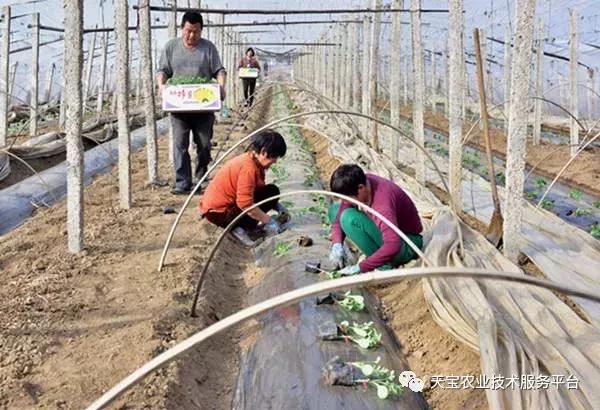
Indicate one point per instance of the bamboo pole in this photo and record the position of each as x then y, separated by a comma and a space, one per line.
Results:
455, 99
348, 53
34, 70
507, 54
573, 78
395, 69
145, 38
5, 91
48, 83
354, 62
484, 62
517, 129
365, 72
419, 86
88, 69
122, 92
539, 84
374, 73
336, 65
591, 94
73, 102
102, 78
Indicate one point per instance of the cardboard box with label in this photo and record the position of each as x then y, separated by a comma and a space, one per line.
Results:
246, 72
191, 98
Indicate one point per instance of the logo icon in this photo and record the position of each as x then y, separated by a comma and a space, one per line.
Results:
409, 379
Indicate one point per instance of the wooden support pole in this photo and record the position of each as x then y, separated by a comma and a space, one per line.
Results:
62, 114
5, 92
517, 128
88, 70
507, 54
331, 71
434, 78
48, 83
122, 92
73, 101
395, 69
365, 72
34, 70
591, 94
348, 52
573, 78
455, 99
484, 54
13, 77
336, 66
145, 38
355, 55
405, 77
419, 88
374, 74
172, 24
539, 84
102, 84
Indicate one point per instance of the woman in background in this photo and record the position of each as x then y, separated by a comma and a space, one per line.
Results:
249, 61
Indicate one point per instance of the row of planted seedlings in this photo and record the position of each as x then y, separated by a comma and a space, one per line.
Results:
570, 204
353, 325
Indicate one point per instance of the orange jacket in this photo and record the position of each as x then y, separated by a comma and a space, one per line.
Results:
233, 185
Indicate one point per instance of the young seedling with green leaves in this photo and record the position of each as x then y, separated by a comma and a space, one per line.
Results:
576, 194
595, 231
186, 80
540, 183
548, 204
365, 335
282, 248
582, 212
279, 172
530, 195
379, 377
352, 303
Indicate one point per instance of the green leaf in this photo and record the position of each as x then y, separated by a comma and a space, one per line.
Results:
597, 204
576, 194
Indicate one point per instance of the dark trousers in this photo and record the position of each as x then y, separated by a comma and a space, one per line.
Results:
249, 86
201, 126
223, 219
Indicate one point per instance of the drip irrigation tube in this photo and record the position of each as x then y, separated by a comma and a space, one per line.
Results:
371, 278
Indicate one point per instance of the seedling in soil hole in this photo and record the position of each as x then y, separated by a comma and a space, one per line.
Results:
365, 335
576, 194
310, 180
597, 204
548, 204
582, 212
500, 178
279, 172
531, 195
540, 183
352, 303
282, 248
471, 160
595, 231
381, 378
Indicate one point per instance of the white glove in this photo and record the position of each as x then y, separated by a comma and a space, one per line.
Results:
273, 227
337, 255
350, 270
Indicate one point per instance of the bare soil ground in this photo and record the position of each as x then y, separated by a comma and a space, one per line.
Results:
548, 159
75, 325
430, 350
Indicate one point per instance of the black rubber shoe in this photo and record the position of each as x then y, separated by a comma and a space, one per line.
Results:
180, 191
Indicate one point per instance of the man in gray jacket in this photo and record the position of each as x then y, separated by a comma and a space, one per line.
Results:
190, 56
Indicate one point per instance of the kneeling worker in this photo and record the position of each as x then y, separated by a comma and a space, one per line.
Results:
240, 183
382, 246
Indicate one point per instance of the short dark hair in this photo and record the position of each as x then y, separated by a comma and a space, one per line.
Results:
346, 179
251, 49
192, 17
271, 141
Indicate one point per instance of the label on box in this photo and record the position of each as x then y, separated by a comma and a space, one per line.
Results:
192, 97
246, 72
